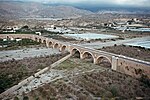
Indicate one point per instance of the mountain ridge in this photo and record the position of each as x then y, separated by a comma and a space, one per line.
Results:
20, 9
32, 9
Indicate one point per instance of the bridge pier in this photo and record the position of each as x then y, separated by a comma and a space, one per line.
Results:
47, 43
119, 63
95, 61
114, 63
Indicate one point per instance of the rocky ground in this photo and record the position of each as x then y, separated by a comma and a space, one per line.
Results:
14, 45
86, 81
13, 71
80, 79
27, 52
134, 52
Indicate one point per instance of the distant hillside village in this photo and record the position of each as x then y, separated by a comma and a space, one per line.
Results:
128, 25
135, 25
52, 28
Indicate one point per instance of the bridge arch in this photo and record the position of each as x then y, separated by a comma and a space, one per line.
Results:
40, 40
104, 61
76, 52
56, 45
50, 44
44, 41
9, 37
63, 48
88, 56
36, 39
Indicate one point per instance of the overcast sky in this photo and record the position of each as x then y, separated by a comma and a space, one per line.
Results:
135, 3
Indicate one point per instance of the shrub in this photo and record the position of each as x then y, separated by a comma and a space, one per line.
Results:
25, 27
144, 79
25, 98
114, 91
16, 98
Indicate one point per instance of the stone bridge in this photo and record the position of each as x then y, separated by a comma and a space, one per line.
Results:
123, 64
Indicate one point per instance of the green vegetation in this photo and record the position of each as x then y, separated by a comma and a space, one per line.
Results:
1, 40
16, 98
114, 91
90, 81
25, 98
25, 30
8, 79
145, 80
68, 64
25, 27
12, 72
13, 44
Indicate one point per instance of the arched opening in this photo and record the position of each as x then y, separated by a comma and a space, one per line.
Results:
88, 57
40, 40
36, 39
56, 45
44, 42
104, 62
7, 37
63, 48
75, 53
50, 44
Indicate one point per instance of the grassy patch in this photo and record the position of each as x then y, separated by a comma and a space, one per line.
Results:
12, 45
13, 71
68, 64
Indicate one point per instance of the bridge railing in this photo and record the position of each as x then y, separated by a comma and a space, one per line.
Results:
96, 51
111, 54
78, 46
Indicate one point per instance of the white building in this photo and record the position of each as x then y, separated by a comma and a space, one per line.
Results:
18, 40
38, 33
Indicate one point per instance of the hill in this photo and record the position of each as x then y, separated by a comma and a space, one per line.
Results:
33, 9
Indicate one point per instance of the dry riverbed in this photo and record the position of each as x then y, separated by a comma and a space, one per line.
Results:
27, 52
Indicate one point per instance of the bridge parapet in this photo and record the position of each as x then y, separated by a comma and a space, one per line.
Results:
127, 65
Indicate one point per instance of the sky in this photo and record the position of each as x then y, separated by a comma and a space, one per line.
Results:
134, 3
